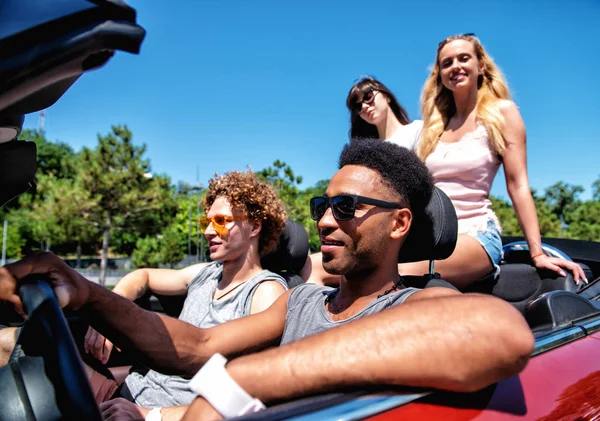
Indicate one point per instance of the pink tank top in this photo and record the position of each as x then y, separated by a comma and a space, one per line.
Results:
465, 170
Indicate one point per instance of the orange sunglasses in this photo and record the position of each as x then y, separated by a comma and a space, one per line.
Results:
218, 223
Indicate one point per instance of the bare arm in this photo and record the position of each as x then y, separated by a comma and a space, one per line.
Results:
517, 184
133, 286
517, 181
454, 342
161, 281
162, 343
174, 347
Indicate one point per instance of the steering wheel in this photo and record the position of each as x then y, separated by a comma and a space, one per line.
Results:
49, 383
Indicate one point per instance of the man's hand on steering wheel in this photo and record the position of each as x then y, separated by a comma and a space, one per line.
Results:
71, 288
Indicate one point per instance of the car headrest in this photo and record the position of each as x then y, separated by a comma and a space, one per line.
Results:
433, 234
291, 252
17, 169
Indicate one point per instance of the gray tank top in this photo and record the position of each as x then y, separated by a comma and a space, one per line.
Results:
307, 315
156, 389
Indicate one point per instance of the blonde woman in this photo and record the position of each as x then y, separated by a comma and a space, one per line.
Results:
470, 128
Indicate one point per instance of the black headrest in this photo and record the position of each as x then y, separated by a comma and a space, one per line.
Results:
432, 235
17, 169
291, 252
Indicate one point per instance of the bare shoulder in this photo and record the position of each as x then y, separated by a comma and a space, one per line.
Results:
435, 292
271, 286
268, 292
506, 105
509, 109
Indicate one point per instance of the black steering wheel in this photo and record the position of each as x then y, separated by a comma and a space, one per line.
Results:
49, 382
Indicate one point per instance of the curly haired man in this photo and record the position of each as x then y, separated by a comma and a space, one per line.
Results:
243, 222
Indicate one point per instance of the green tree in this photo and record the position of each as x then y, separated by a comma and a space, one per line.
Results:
186, 221
548, 221
562, 199
282, 178
53, 158
116, 173
596, 190
62, 213
165, 249
14, 241
172, 246
585, 222
146, 253
506, 216
311, 226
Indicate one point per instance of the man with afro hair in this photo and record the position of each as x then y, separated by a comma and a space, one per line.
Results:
371, 330
408, 179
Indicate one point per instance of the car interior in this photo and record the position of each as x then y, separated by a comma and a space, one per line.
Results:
41, 55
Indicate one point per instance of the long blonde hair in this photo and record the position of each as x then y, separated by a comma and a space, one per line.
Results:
437, 102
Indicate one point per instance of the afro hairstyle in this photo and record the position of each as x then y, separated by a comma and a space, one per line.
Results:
400, 169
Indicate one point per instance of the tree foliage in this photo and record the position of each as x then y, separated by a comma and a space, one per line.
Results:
560, 213
53, 158
562, 199
146, 253
128, 196
585, 222
286, 183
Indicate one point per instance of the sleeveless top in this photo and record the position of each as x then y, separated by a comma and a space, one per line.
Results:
465, 170
306, 313
408, 135
160, 390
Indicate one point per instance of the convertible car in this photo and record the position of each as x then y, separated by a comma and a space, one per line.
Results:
46, 46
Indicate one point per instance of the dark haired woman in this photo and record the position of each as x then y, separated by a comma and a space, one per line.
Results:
375, 113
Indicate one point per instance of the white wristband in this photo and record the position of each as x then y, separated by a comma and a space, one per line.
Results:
154, 415
214, 384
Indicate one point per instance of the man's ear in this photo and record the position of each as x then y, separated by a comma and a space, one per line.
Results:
401, 223
256, 228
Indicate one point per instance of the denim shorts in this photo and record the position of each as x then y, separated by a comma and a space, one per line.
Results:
491, 242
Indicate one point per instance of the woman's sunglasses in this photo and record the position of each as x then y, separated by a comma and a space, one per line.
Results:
343, 206
218, 223
368, 98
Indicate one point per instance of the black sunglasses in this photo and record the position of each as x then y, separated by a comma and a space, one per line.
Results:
343, 206
368, 98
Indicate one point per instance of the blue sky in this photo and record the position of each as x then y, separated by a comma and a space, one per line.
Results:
225, 84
